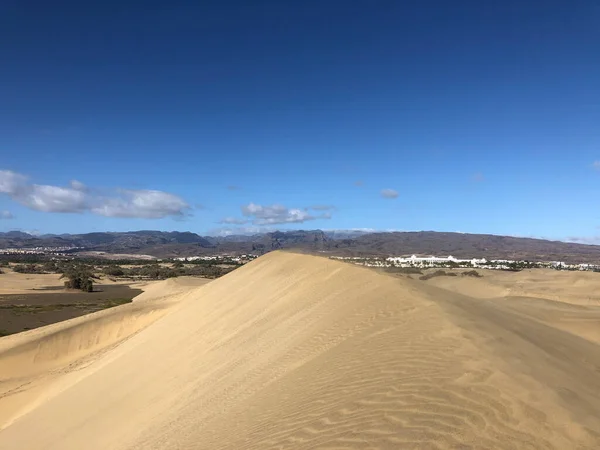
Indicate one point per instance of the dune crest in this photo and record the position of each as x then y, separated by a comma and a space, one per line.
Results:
296, 351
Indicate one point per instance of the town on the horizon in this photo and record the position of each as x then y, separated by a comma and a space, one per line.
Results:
450, 262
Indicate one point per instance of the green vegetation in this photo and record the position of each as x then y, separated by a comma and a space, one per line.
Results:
114, 271
437, 273
79, 277
471, 273
27, 268
157, 272
405, 270
79, 272
51, 267
46, 267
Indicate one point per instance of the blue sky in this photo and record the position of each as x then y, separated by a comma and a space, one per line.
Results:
475, 116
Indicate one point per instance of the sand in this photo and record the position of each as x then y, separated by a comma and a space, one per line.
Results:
296, 351
21, 283
12, 283
575, 287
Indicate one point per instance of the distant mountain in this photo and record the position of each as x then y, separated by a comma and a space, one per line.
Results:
465, 245
126, 242
345, 243
346, 234
17, 235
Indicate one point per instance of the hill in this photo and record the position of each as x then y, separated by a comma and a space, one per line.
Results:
464, 245
175, 244
296, 351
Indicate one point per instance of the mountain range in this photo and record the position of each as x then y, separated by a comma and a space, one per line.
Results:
352, 243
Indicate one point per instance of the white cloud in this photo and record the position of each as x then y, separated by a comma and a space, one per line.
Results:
389, 193
233, 221
52, 199
589, 240
278, 214
6, 215
141, 203
11, 182
78, 185
40, 197
76, 198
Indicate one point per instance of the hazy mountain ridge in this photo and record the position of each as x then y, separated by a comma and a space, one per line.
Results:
170, 244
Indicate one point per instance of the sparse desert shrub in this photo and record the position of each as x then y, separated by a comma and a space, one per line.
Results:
437, 273
406, 270
79, 277
27, 268
50, 267
114, 271
471, 273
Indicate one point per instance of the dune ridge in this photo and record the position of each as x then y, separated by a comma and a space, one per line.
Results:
297, 351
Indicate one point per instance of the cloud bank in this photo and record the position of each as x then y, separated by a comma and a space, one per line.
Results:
77, 198
279, 214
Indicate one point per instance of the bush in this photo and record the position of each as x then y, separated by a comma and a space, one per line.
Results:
437, 273
27, 268
79, 277
114, 271
471, 273
405, 270
50, 267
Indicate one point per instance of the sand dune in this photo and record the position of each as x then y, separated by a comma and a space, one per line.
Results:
579, 288
294, 351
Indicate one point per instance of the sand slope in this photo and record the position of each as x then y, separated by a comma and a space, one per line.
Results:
580, 288
294, 351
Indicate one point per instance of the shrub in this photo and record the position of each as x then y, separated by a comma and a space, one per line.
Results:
114, 271
50, 267
79, 277
437, 273
471, 273
406, 270
27, 268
